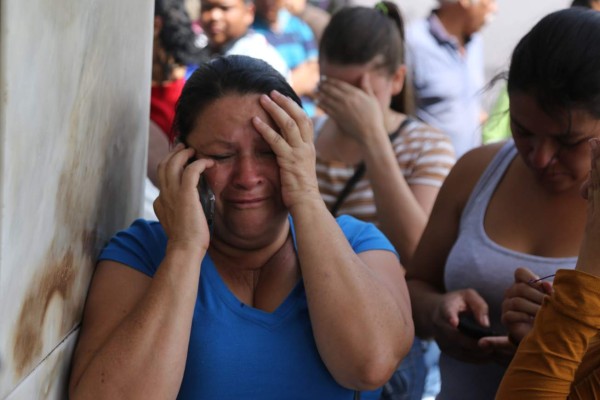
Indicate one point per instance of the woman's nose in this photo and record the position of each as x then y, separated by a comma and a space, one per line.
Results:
247, 172
542, 153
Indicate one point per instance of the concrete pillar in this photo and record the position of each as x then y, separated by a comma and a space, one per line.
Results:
74, 103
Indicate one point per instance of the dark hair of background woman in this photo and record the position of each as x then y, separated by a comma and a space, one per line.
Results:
177, 36
356, 35
558, 62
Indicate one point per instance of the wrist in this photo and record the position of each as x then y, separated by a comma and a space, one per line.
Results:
187, 248
308, 204
376, 144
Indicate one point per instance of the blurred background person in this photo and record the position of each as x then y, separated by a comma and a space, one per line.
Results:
374, 161
445, 59
295, 42
593, 4
227, 26
317, 18
173, 50
509, 205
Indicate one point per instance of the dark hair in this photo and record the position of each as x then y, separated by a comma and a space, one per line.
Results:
356, 35
177, 36
583, 3
558, 62
226, 75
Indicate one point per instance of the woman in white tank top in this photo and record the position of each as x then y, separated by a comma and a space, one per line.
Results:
507, 206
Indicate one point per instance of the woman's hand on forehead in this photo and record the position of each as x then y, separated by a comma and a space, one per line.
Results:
293, 146
355, 109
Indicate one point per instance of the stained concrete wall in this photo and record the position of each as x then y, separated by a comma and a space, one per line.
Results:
74, 101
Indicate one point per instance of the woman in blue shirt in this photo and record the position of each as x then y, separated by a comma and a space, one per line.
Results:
276, 299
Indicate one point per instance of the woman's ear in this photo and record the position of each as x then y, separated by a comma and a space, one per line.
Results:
398, 79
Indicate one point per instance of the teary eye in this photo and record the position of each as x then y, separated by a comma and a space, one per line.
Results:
219, 157
268, 153
569, 141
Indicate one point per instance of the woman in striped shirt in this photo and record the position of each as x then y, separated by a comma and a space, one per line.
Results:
362, 67
366, 129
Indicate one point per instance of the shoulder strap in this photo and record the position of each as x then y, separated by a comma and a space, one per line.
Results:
360, 172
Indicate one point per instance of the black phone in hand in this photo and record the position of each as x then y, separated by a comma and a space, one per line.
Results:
468, 325
207, 199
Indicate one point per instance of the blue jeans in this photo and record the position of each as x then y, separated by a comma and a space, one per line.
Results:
408, 382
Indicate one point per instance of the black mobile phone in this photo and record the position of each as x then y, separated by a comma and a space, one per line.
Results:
468, 325
207, 199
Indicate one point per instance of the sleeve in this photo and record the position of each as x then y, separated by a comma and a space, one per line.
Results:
142, 247
364, 236
547, 359
427, 157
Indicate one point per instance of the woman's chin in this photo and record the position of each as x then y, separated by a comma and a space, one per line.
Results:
251, 226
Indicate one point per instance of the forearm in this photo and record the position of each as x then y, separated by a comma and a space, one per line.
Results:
401, 218
424, 301
150, 344
361, 328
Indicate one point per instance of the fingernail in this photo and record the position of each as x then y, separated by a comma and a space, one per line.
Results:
486, 320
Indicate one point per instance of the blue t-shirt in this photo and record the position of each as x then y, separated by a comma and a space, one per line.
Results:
237, 351
295, 42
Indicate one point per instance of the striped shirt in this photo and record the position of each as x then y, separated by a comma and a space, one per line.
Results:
425, 156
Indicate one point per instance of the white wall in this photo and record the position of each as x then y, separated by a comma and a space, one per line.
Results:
74, 95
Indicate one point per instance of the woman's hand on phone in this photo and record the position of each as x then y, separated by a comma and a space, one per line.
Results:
178, 205
522, 300
446, 320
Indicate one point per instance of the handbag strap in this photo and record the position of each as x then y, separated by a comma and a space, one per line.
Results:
360, 172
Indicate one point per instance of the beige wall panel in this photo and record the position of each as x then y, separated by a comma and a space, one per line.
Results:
49, 379
74, 82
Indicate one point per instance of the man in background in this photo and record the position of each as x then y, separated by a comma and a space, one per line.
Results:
445, 63
226, 24
593, 4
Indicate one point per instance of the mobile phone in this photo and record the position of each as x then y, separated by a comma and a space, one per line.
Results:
207, 199
468, 325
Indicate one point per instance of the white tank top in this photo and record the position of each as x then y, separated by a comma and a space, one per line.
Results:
477, 262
